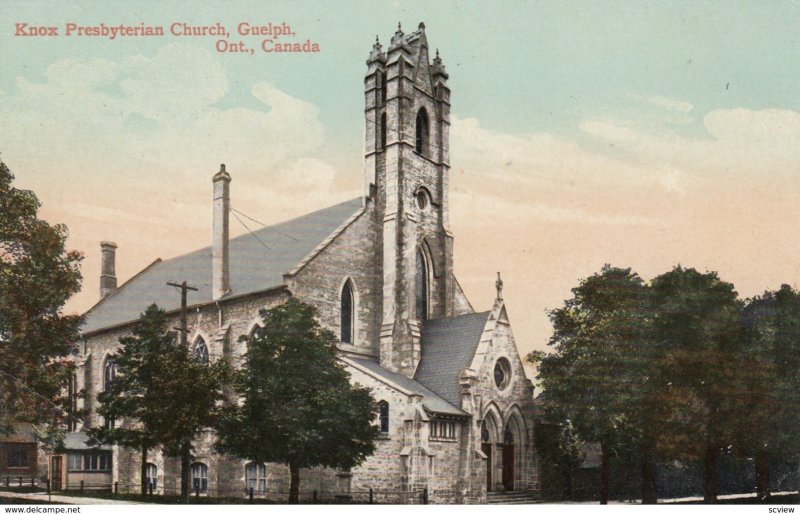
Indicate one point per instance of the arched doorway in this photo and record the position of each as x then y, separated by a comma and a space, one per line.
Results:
488, 447
508, 459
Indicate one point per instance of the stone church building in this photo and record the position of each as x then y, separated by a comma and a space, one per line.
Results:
455, 407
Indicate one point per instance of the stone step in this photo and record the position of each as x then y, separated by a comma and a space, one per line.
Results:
512, 498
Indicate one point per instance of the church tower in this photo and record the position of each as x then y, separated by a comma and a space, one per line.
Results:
406, 171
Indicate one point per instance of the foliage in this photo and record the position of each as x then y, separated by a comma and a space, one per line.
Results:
162, 395
696, 329
298, 406
769, 428
597, 374
37, 276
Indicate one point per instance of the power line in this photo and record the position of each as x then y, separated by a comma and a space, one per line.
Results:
264, 225
248, 229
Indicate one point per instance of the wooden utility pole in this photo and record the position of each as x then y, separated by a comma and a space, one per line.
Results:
184, 323
186, 445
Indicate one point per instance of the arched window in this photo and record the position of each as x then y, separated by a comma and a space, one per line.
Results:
421, 286
383, 131
256, 476
151, 475
201, 350
383, 416
421, 145
347, 313
109, 375
72, 405
200, 477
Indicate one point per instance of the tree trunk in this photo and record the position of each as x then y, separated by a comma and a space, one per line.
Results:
143, 470
762, 475
605, 475
710, 489
649, 494
294, 485
186, 476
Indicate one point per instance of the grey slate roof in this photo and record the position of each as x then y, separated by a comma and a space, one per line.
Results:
79, 441
253, 267
448, 346
430, 400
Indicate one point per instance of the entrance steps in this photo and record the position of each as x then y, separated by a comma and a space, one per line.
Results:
512, 498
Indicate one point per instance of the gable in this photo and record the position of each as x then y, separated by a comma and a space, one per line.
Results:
257, 261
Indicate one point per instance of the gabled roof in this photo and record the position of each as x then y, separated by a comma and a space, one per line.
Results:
430, 400
448, 346
256, 263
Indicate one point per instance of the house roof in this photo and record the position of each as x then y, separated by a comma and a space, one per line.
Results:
448, 346
430, 400
80, 441
257, 262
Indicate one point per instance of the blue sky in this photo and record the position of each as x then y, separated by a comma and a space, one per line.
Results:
642, 133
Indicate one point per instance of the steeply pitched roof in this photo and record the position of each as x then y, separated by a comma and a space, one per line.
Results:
448, 346
430, 400
253, 267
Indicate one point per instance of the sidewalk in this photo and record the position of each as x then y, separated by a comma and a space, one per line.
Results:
72, 500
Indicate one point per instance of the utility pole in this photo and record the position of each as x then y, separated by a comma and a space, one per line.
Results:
184, 323
186, 445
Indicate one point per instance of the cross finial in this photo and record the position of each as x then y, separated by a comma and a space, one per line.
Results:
499, 285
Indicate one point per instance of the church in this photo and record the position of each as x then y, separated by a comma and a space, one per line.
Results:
455, 407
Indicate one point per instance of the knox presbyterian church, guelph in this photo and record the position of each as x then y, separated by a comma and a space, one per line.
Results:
455, 407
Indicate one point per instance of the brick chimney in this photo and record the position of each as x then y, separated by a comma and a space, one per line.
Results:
108, 275
219, 238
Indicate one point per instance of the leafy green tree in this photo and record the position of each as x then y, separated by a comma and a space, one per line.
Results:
37, 276
598, 373
162, 396
768, 426
696, 329
144, 365
298, 407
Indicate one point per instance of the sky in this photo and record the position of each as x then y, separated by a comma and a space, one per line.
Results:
640, 134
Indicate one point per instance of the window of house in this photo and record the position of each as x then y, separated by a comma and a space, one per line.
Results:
421, 287
200, 477
89, 461
151, 475
18, 458
442, 429
421, 145
347, 313
383, 416
201, 351
256, 475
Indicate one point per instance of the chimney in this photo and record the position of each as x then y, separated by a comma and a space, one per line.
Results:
219, 236
108, 275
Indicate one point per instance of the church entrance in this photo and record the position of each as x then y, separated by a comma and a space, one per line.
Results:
508, 460
487, 446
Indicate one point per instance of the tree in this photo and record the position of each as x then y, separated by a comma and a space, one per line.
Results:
162, 395
768, 426
298, 407
144, 364
598, 374
696, 330
37, 276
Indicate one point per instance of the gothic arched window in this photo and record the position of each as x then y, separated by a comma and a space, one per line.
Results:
151, 475
383, 416
109, 375
383, 131
347, 313
383, 87
421, 286
421, 145
201, 350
